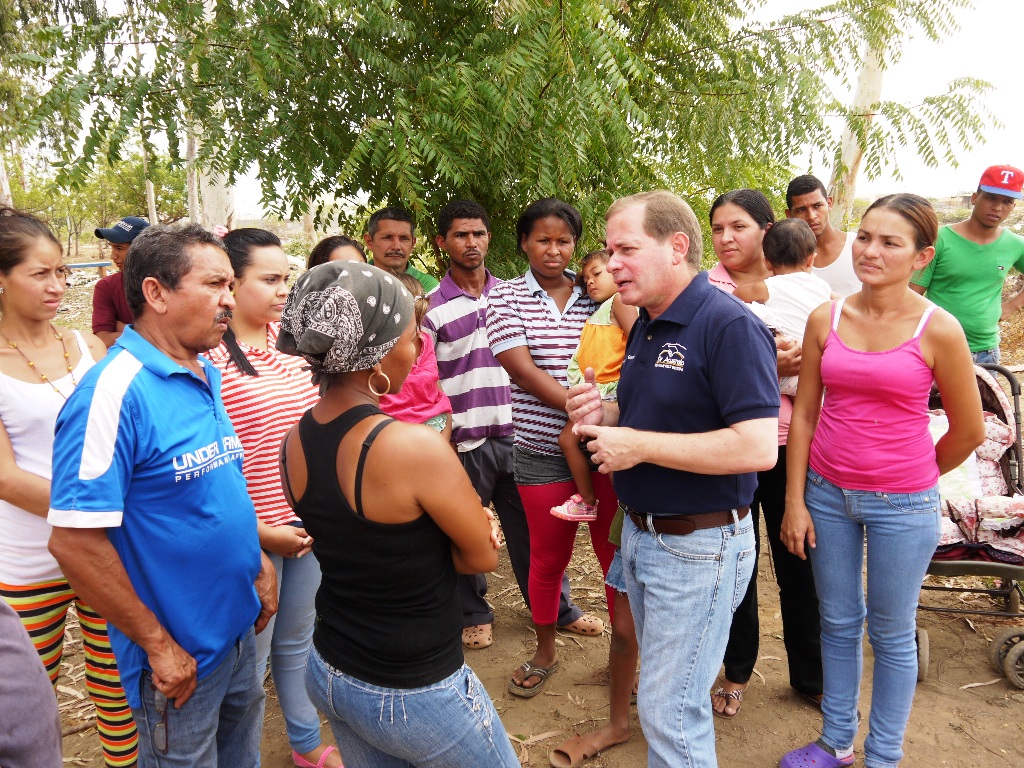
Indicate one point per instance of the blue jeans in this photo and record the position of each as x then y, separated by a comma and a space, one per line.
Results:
987, 356
449, 724
286, 640
902, 532
218, 727
683, 591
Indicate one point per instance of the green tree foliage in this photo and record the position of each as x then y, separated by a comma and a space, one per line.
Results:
503, 101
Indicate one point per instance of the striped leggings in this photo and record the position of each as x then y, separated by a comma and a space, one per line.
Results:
43, 609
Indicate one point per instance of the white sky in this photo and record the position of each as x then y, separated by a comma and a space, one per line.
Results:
986, 47
926, 68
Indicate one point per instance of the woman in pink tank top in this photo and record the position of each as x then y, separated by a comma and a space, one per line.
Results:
862, 463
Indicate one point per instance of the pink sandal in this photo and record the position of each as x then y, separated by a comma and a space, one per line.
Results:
302, 762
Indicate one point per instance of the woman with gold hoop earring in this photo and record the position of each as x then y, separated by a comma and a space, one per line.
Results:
40, 364
377, 372
389, 624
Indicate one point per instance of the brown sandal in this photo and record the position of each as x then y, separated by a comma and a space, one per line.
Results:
531, 670
573, 752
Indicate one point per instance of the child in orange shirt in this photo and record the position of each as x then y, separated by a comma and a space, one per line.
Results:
602, 347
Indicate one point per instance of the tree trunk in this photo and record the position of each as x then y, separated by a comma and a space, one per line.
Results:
218, 201
150, 190
19, 165
192, 178
843, 184
307, 223
5, 184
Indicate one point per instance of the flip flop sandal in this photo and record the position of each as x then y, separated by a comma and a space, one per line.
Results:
531, 670
572, 753
813, 756
301, 762
477, 637
587, 625
736, 696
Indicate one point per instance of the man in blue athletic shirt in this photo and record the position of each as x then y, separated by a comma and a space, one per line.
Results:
696, 419
152, 524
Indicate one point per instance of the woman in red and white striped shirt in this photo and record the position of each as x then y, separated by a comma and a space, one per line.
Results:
265, 392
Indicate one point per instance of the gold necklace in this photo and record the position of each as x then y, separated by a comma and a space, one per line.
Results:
67, 361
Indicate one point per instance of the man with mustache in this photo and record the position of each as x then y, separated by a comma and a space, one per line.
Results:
973, 259
481, 397
390, 236
152, 523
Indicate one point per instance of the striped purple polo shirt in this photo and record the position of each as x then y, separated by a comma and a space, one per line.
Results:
521, 314
476, 384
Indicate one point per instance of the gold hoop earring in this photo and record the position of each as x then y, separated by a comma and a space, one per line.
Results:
369, 383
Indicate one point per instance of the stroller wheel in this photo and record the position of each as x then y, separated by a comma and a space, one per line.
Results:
1001, 645
1013, 665
922, 654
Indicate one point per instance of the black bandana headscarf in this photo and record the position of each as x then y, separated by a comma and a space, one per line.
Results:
344, 316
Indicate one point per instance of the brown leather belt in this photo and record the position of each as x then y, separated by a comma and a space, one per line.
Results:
681, 525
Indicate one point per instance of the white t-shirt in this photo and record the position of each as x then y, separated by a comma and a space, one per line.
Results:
839, 274
793, 297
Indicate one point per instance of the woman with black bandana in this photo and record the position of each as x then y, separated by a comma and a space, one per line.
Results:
386, 668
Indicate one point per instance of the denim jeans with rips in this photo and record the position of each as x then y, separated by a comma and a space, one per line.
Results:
683, 591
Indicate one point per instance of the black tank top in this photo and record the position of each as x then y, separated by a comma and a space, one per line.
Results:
387, 612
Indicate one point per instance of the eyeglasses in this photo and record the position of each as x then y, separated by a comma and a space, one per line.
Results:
160, 730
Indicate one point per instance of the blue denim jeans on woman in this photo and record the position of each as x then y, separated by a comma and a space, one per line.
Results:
683, 591
218, 727
286, 640
449, 724
902, 532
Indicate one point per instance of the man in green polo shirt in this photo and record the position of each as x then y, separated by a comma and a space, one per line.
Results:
390, 236
972, 260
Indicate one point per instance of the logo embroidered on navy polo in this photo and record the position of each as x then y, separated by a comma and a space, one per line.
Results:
671, 356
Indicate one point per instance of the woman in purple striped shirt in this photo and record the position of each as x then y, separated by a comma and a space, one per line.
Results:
534, 324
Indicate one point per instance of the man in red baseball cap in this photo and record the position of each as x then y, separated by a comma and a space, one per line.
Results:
972, 260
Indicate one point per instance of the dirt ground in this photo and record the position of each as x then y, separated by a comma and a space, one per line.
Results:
955, 722
964, 716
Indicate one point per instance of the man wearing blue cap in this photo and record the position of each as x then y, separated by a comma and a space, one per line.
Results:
972, 260
110, 310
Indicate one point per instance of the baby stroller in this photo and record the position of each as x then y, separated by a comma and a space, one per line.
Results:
983, 521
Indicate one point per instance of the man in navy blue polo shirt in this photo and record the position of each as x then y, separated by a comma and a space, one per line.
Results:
696, 419
152, 523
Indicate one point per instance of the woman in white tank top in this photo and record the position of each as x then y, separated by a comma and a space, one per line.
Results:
40, 364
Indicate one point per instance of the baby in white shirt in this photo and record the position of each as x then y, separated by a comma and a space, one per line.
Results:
785, 300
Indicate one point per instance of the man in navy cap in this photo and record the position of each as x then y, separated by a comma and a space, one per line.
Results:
110, 310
